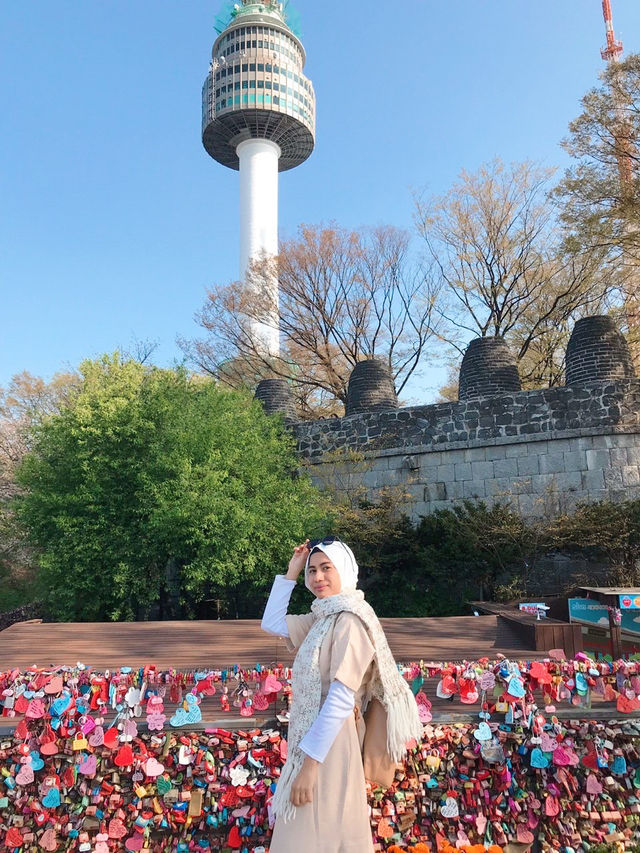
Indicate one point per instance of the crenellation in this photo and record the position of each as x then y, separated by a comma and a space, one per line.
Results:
540, 450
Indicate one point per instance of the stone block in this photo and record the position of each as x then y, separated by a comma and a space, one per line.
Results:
619, 457
417, 510
436, 492
599, 495
427, 475
523, 485
432, 458
542, 483
575, 460
415, 492
475, 454
495, 488
632, 493
584, 442
593, 481
569, 501
505, 500
455, 490
613, 478
500, 486
506, 467
378, 477
436, 505
551, 463
633, 455
482, 470
445, 472
570, 481
631, 475
598, 459
628, 440
530, 505
559, 445
495, 451
463, 470
515, 450
473, 489
528, 465
603, 442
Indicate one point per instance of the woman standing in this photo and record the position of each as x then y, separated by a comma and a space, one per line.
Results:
343, 662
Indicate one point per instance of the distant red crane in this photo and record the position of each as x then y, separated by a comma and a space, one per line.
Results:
625, 151
611, 54
613, 50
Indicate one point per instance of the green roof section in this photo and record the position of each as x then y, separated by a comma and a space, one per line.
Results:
280, 10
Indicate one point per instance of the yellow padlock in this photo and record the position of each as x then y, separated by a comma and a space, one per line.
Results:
433, 760
80, 742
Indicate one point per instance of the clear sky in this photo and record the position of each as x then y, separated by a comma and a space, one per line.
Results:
114, 220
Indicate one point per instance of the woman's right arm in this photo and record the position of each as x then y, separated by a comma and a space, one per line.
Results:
274, 617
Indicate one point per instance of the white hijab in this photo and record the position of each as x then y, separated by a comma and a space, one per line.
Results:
343, 559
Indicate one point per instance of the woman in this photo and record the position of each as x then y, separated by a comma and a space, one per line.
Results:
342, 663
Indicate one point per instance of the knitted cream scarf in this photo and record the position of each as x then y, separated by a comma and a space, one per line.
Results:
387, 685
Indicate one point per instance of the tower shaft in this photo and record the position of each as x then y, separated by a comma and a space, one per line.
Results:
258, 160
258, 116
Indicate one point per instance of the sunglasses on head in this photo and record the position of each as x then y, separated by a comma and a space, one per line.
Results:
328, 540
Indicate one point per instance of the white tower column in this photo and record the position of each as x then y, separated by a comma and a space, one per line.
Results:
259, 228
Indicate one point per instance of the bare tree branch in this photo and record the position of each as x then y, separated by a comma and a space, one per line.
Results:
344, 296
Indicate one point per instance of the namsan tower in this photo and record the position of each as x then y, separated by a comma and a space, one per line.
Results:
258, 116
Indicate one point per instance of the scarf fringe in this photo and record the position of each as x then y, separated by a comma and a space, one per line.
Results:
402, 725
281, 804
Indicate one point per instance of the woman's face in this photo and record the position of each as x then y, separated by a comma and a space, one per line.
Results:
324, 579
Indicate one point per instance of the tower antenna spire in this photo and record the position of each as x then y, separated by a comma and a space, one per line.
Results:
613, 51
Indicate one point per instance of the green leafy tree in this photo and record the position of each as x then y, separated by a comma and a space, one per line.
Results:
599, 195
23, 403
156, 492
468, 549
610, 531
435, 567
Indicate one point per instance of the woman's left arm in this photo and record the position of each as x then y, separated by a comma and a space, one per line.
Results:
338, 705
317, 742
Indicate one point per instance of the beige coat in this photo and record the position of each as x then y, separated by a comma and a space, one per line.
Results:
337, 821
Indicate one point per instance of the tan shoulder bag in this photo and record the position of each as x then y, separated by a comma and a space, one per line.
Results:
378, 764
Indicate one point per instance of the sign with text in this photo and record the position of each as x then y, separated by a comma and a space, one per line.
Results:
532, 608
590, 612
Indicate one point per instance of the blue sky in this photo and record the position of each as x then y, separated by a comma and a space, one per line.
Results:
115, 220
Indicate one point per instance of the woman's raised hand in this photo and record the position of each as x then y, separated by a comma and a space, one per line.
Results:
298, 561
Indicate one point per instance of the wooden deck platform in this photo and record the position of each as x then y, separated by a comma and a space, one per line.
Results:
218, 644
191, 645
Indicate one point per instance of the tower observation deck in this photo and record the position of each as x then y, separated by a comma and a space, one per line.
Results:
258, 116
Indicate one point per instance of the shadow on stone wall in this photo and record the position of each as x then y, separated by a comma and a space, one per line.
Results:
35, 610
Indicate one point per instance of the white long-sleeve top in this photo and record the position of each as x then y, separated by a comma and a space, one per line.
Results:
340, 700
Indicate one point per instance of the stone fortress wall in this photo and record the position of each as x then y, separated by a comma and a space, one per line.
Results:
543, 450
